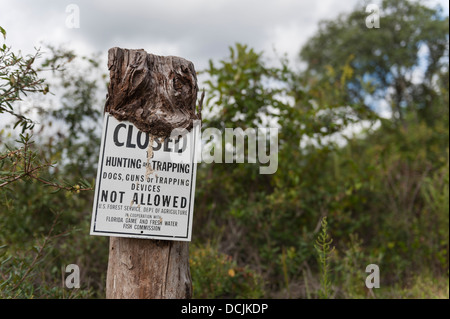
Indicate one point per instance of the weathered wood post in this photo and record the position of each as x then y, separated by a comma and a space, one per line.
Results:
148, 269
156, 94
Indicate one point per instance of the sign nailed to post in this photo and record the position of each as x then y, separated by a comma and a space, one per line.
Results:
145, 185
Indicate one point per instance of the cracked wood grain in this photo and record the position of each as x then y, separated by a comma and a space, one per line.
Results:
155, 93
148, 269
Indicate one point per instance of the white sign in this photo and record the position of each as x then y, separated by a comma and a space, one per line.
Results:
145, 186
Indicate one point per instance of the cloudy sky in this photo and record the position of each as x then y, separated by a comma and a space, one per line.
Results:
197, 30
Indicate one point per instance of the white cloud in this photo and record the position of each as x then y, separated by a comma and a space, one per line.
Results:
197, 30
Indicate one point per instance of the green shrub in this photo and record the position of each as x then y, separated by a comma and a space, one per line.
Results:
217, 275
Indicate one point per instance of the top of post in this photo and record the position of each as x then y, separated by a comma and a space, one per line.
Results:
155, 93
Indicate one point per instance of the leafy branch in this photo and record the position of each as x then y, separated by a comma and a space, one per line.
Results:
18, 78
324, 250
25, 162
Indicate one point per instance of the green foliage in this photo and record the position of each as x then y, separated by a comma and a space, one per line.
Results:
242, 91
384, 190
22, 271
42, 205
348, 266
78, 114
425, 286
435, 191
18, 78
217, 275
384, 60
370, 189
324, 251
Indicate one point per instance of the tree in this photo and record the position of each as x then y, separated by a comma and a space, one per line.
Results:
35, 215
260, 216
18, 77
243, 91
399, 63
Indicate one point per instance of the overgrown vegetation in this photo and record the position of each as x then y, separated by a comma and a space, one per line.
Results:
324, 250
383, 191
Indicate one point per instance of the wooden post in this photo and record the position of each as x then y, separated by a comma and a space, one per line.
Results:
148, 269
156, 94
